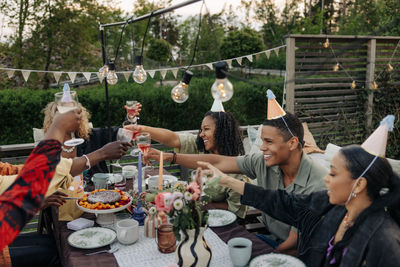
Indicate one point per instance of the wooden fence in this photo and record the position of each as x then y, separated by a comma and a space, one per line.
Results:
323, 97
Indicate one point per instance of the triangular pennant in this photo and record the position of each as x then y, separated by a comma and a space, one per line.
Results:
87, 75
210, 66
100, 76
239, 60
175, 72
10, 73
268, 53
26, 74
163, 73
57, 76
126, 75
229, 62
72, 76
276, 50
250, 58
151, 73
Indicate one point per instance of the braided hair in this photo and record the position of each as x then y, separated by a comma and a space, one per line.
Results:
227, 134
383, 188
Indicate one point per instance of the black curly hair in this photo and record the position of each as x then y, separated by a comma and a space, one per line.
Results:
293, 123
227, 135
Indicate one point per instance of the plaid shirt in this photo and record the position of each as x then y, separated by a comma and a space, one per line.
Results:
23, 198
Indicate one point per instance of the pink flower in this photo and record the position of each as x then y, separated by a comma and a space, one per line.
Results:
195, 190
160, 202
167, 199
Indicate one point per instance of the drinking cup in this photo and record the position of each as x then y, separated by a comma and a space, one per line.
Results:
129, 172
100, 180
119, 182
240, 251
166, 239
127, 231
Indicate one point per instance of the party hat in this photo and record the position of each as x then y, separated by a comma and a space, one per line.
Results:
66, 94
274, 109
376, 142
217, 106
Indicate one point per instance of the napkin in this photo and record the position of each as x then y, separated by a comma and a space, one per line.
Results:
79, 224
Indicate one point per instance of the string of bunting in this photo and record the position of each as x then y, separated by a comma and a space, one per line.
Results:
163, 72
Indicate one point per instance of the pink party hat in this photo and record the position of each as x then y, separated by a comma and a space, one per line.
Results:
66, 94
274, 109
217, 106
376, 142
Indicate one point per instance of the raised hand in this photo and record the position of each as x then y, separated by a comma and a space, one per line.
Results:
115, 150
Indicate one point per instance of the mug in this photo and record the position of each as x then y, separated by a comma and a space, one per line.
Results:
166, 240
100, 180
240, 251
127, 231
129, 172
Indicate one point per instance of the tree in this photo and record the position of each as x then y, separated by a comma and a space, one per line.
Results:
158, 50
240, 43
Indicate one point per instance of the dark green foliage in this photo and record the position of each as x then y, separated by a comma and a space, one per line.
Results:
158, 49
241, 43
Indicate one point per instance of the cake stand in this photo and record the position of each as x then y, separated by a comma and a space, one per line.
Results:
105, 217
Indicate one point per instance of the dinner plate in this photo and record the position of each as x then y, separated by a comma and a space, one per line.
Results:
93, 237
217, 218
276, 259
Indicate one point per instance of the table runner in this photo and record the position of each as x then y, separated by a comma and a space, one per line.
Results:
145, 253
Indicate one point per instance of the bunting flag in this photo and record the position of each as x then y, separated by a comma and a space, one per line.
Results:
126, 75
72, 76
87, 75
163, 73
57, 76
151, 73
175, 72
26, 74
10, 73
250, 58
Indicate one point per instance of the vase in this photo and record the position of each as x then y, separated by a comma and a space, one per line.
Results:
193, 249
151, 223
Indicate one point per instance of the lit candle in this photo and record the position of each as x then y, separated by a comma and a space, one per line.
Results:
160, 172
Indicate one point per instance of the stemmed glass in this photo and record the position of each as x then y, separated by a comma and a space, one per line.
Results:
66, 101
131, 118
143, 141
123, 135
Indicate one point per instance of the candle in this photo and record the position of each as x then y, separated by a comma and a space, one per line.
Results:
139, 175
160, 172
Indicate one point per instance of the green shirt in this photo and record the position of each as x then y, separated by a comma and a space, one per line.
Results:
188, 146
309, 179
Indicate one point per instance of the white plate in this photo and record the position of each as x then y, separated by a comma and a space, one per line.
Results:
276, 259
93, 237
218, 218
166, 178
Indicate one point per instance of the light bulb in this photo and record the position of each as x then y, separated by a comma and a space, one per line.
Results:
103, 71
112, 77
139, 75
222, 88
180, 92
336, 67
353, 85
326, 44
390, 67
374, 86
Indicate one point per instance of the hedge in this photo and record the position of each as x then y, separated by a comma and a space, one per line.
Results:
22, 108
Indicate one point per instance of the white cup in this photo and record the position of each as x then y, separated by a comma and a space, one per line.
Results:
129, 172
127, 231
240, 251
152, 182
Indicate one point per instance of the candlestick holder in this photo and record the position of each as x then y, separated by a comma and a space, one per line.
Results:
139, 215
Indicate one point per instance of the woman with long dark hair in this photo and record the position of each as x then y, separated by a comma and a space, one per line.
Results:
219, 134
356, 222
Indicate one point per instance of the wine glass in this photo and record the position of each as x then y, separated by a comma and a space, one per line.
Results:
143, 142
66, 101
123, 135
131, 118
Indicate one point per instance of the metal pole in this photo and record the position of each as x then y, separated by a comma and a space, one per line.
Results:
155, 13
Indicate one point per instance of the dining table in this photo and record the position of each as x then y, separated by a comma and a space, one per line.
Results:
71, 256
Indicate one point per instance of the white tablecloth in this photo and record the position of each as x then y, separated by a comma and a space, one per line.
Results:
145, 252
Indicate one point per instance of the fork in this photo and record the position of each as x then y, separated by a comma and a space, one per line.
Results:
112, 250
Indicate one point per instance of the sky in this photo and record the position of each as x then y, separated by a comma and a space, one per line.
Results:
214, 6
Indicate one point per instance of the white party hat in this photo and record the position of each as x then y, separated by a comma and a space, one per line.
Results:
376, 142
66, 94
217, 106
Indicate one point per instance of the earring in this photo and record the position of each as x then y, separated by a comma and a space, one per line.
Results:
353, 195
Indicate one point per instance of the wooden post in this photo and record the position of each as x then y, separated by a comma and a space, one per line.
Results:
290, 69
369, 79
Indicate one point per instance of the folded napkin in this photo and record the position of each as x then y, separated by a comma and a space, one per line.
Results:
79, 224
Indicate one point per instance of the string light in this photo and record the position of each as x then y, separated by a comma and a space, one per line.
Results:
222, 88
390, 67
180, 92
353, 85
139, 75
112, 77
103, 71
326, 44
374, 86
336, 67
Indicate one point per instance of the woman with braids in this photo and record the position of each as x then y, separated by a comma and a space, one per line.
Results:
219, 134
355, 222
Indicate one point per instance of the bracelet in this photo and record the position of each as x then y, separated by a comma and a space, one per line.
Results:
87, 161
173, 158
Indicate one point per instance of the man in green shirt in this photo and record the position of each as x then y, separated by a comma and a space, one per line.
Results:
281, 164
